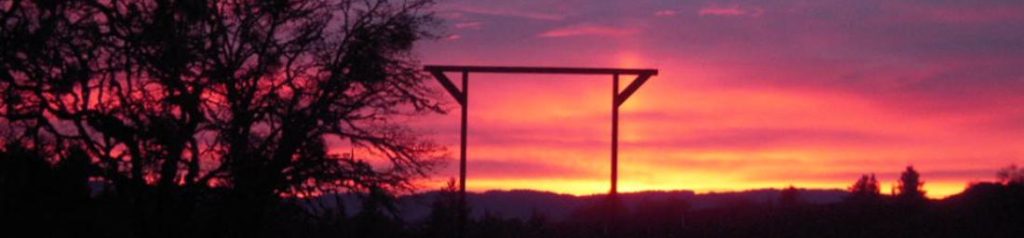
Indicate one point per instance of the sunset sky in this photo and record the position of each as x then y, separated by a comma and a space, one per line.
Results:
751, 94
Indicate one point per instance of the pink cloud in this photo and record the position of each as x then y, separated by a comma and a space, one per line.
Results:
588, 30
967, 14
729, 11
665, 13
469, 25
450, 15
517, 168
535, 15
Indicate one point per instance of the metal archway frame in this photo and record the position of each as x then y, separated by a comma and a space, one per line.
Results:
462, 97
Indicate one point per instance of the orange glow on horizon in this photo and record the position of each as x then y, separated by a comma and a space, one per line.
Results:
934, 190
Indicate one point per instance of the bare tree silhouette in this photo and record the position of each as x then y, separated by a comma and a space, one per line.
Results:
170, 99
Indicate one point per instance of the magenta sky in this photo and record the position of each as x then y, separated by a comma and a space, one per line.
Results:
751, 93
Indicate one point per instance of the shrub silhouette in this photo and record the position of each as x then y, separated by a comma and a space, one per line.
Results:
1011, 175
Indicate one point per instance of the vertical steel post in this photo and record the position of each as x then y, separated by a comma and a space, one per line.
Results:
615, 135
462, 156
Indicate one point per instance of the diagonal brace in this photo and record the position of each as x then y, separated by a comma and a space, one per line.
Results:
449, 86
633, 86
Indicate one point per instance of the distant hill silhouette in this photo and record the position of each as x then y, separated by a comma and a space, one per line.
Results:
521, 204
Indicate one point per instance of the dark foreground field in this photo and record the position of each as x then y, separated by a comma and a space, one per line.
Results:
51, 202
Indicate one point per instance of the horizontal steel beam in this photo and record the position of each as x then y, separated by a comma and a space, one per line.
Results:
537, 70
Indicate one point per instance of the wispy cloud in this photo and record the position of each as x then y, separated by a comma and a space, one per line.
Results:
588, 30
665, 13
516, 167
535, 15
729, 11
469, 25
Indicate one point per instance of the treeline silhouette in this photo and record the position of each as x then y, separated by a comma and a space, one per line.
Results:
983, 209
61, 196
